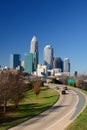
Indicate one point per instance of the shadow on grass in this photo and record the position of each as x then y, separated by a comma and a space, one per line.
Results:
25, 111
12, 114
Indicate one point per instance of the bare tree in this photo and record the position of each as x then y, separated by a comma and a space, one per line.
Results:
18, 89
4, 90
12, 88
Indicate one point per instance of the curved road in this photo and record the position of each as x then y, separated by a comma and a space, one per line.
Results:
59, 115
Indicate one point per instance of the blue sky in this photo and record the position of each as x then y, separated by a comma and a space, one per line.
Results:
60, 23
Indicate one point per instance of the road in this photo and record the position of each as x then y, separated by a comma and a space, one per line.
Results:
58, 116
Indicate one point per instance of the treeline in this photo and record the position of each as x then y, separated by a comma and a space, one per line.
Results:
13, 88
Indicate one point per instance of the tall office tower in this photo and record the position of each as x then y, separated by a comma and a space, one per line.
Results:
48, 56
34, 48
66, 65
58, 63
14, 61
29, 62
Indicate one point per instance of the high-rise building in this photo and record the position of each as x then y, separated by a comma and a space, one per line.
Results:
34, 48
34, 60
30, 62
58, 63
66, 65
48, 56
14, 61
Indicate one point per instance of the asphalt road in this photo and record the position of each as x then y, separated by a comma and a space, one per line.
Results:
59, 115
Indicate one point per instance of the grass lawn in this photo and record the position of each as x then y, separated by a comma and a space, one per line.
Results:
29, 107
80, 122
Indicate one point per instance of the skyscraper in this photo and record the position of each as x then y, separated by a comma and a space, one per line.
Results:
66, 65
29, 62
48, 56
14, 61
58, 63
34, 48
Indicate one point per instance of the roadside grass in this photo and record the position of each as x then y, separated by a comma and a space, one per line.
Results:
80, 122
30, 106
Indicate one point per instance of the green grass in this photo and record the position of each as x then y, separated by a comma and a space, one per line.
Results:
28, 108
80, 122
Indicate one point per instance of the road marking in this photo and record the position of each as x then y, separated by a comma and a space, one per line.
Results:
65, 115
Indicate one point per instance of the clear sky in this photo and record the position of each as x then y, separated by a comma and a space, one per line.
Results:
60, 23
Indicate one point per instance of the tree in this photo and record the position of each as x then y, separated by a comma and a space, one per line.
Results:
18, 89
4, 90
36, 87
55, 81
12, 88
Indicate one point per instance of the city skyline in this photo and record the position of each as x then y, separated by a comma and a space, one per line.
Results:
60, 23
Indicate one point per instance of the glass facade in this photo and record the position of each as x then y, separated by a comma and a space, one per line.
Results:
58, 63
14, 61
29, 62
34, 62
34, 48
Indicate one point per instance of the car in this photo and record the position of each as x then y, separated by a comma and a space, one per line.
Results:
63, 91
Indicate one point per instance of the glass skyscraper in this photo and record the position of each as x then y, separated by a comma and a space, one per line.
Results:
58, 63
29, 62
14, 61
34, 48
48, 56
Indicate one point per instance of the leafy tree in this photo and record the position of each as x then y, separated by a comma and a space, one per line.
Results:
55, 81
36, 87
